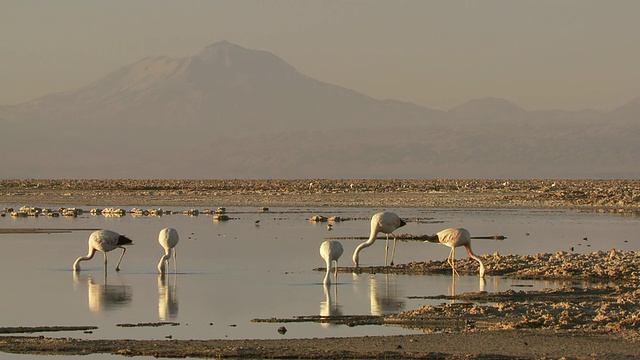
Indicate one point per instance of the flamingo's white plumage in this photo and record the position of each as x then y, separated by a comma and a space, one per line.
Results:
331, 250
453, 238
168, 239
104, 241
383, 222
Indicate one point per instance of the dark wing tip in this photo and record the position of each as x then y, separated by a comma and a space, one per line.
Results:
123, 240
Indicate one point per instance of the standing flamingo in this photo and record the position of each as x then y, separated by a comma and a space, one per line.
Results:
168, 239
454, 238
330, 252
104, 241
386, 223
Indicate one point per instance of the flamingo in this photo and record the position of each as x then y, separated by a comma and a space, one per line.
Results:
168, 239
104, 241
330, 252
454, 238
386, 223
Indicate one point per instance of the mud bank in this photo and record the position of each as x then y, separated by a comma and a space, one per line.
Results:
599, 195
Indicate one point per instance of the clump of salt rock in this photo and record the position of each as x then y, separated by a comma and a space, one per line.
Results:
612, 265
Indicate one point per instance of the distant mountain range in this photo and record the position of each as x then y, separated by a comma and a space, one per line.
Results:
232, 112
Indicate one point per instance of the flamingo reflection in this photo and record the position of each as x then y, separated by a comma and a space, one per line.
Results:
385, 296
454, 280
167, 297
104, 297
330, 306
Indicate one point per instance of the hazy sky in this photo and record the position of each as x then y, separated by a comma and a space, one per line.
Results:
539, 54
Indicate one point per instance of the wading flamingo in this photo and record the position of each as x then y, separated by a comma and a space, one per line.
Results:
104, 241
454, 238
331, 252
386, 223
168, 239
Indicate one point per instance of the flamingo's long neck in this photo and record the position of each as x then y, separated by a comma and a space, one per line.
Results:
76, 264
476, 258
163, 259
372, 239
327, 277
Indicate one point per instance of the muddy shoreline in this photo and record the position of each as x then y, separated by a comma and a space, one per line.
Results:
593, 195
599, 322
505, 344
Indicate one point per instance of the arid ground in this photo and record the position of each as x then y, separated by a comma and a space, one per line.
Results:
596, 322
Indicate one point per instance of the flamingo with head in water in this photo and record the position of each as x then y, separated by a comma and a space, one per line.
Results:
385, 222
331, 252
168, 239
454, 238
104, 241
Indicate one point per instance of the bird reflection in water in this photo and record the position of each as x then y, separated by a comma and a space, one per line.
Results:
454, 280
330, 306
104, 297
167, 297
384, 295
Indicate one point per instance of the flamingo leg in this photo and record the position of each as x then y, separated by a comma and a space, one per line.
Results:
451, 261
386, 251
393, 252
124, 250
105, 262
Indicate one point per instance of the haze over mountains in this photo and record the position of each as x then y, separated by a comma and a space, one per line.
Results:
232, 112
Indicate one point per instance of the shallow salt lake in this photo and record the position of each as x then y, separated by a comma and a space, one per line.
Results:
233, 271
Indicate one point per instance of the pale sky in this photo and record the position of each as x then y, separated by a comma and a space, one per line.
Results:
539, 54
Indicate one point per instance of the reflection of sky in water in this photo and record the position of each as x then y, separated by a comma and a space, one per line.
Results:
231, 272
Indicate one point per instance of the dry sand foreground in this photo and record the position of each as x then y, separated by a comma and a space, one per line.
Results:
600, 322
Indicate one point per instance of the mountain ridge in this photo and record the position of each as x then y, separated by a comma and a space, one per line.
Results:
233, 112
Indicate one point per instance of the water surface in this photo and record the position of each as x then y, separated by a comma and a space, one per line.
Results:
233, 271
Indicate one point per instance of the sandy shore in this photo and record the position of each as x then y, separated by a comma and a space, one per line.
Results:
601, 195
598, 323
506, 344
